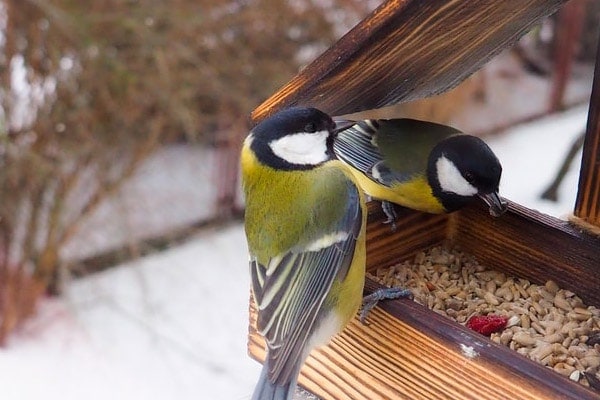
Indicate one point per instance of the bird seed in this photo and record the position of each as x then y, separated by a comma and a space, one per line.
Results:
549, 325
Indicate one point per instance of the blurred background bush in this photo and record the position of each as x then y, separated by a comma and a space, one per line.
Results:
92, 89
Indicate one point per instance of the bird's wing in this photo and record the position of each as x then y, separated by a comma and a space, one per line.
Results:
390, 151
405, 144
291, 288
357, 146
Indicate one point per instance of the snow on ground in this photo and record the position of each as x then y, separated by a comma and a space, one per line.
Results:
173, 325
171, 190
513, 94
169, 326
531, 155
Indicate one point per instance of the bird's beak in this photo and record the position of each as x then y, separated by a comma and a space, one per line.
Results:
497, 205
342, 125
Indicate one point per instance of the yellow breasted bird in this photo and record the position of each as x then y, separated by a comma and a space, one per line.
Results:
305, 225
420, 165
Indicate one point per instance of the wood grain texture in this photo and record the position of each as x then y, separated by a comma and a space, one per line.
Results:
405, 50
587, 204
531, 245
414, 232
496, 372
409, 352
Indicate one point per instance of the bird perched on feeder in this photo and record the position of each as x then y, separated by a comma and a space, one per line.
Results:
305, 226
420, 165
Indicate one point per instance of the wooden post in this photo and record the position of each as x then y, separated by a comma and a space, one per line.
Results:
587, 204
567, 35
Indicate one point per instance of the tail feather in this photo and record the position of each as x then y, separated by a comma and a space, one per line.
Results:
267, 390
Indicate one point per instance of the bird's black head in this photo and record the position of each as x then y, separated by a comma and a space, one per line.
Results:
461, 167
295, 138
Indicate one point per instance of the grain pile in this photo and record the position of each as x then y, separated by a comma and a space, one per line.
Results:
548, 324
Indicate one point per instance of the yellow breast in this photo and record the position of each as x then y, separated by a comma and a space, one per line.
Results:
415, 193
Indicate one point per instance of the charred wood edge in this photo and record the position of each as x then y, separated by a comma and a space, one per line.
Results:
569, 245
495, 238
532, 245
577, 268
455, 336
396, 52
587, 203
111, 258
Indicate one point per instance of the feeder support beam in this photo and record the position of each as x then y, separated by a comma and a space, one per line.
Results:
587, 204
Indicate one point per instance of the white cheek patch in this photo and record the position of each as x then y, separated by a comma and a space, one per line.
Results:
451, 180
302, 148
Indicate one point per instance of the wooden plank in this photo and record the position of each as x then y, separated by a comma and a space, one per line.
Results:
408, 49
587, 204
415, 231
413, 353
494, 369
409, 352
531, 245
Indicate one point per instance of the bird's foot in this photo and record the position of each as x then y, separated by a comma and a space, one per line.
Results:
390, 213
371, 300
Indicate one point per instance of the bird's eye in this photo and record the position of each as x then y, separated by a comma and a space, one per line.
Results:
469, 176
310, 127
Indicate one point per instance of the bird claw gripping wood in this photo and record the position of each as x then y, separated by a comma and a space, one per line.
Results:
370, 301
390, 213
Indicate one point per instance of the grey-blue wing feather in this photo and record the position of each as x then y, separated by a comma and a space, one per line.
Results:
390, 150
357, 146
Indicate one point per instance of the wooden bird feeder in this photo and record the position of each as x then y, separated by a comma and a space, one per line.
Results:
409, 49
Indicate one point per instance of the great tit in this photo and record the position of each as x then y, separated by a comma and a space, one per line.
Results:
305, 224
420, 165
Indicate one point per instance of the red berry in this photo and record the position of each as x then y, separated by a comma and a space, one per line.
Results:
487, 324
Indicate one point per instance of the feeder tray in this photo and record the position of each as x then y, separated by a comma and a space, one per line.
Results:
403, 51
